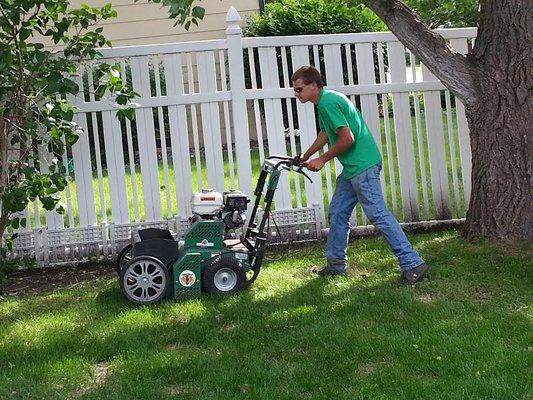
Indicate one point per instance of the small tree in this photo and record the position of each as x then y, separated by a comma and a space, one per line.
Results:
35, 83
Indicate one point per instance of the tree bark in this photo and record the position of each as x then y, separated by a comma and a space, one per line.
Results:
496, 84
501, 124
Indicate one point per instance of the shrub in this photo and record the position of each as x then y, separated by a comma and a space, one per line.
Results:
307, 17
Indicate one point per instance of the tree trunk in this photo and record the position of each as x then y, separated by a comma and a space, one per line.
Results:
501, 124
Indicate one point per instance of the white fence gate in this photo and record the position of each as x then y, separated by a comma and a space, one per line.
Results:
200, 101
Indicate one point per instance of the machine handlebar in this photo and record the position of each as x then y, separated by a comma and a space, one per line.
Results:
289, 163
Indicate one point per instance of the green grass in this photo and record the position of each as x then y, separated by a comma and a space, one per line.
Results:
465, 333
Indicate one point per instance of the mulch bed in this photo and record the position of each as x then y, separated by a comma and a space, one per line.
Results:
45, 280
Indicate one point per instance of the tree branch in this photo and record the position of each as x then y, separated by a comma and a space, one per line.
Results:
452, 68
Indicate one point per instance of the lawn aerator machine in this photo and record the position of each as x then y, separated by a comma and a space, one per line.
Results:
155, 266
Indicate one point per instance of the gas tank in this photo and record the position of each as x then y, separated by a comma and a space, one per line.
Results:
207, 202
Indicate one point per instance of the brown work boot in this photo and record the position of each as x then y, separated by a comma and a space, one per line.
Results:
325, 271
414, 275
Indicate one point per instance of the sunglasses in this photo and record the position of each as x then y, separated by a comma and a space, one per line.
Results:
299, 89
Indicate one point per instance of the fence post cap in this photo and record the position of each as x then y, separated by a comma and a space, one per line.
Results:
233, 19
233, 16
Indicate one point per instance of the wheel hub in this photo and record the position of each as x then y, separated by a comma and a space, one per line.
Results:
225, 279
144, 280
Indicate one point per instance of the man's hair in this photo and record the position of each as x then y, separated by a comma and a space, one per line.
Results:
308, 74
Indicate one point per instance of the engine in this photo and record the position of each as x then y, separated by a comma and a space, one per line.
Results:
228, 206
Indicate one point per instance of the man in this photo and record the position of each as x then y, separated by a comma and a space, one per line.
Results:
350, 140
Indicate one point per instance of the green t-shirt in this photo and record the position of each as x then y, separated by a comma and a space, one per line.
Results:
335, 111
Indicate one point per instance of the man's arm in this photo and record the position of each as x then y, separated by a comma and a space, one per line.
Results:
319, 142
343, 143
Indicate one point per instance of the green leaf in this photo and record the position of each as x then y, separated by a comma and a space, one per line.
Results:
24, 34
100, 90
128, 113
71, 87
198, 12
56, 133
69, 115
72, 138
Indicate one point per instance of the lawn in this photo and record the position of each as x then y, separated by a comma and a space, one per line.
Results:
465, 333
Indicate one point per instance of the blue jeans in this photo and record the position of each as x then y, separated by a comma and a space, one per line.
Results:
364, 188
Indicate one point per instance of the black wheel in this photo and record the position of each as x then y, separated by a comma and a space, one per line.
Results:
123, 258
223, 274
144, 280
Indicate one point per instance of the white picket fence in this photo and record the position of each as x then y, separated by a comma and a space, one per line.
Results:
209, 112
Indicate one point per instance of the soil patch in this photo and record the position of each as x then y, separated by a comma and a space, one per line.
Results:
34, 281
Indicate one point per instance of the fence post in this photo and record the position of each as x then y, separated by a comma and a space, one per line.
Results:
238, 101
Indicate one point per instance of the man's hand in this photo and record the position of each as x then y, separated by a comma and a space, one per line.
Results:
303, 157
315, 164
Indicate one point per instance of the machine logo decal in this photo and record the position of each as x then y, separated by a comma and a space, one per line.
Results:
205, 243
187, 278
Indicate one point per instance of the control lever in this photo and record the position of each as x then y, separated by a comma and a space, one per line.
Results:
300, 171
299, 165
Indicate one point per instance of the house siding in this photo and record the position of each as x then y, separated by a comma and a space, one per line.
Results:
141, 22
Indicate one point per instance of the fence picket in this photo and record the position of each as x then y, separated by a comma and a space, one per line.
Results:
115, 168
256, 108
146, 138
451, 145
404, 136
274, 122
420, 141
194, 120
461, 45
179, 135
211, 122
163, 139
291, 127
96, 140
227, 125
83, 175
131, 158
437, 155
